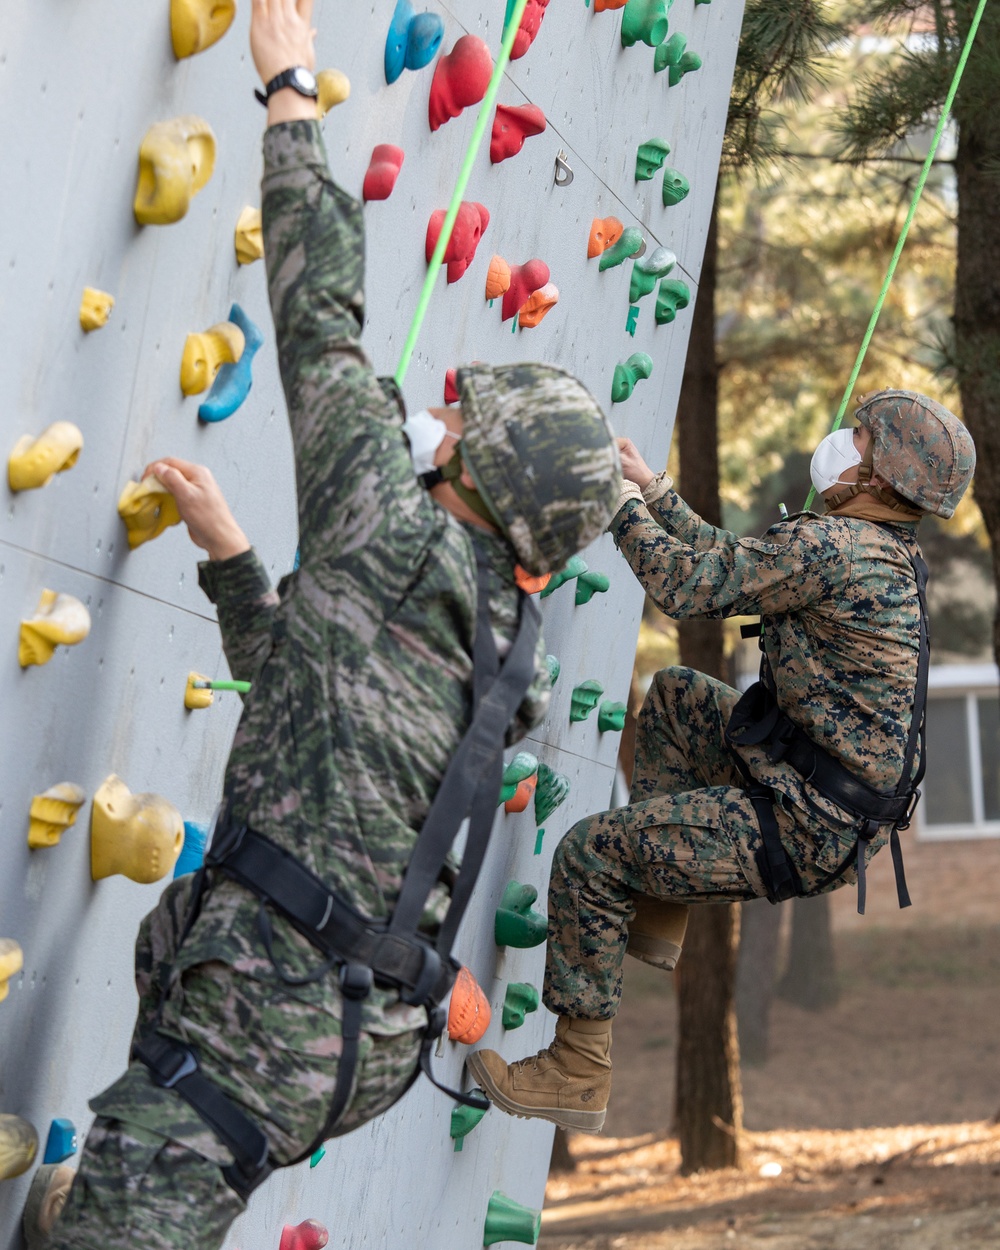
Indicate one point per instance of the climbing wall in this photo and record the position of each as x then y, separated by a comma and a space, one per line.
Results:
80, 86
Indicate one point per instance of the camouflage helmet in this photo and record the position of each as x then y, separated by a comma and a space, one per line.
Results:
542, 456
919, 448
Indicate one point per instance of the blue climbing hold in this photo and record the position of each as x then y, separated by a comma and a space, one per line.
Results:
61, 1142
232, 382
192, 854
412, 41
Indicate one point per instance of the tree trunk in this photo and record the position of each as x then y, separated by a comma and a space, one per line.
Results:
756, 969
810, 980
561, 1160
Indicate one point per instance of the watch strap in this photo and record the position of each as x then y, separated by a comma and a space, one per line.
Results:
285, 79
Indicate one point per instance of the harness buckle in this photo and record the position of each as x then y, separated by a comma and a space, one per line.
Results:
356, 981
904, 823
167, 1061
427, 979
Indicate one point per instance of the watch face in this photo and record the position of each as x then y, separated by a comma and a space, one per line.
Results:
303, 81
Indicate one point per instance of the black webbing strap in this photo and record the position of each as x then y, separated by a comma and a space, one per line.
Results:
781, 881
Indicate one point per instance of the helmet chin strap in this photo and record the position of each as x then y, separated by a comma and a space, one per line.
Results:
864, 485
452, 472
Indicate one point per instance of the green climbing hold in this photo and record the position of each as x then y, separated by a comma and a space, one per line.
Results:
675, 187
520, 1000
463, 1121
650, 158
552, 664
522, 766
590, 584
551, 790
645, 20
689, 62
316, 1155
669, 53
611, 717
638, 365
673, 294
515, 923
584, 699
574, 568
647, 271
630, 242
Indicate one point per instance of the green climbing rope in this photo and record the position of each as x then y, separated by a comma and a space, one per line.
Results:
510, 31
925, 170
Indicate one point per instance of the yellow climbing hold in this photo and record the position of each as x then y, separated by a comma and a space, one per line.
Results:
95, 308
206, 353
147, 508
58, 619
176, 159
11, 963
34, 462
249, 238
18, 1139
333, 87
196, 24
195, 698
136, 835
52, 813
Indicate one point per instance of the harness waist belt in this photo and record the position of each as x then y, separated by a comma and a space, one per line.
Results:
832, 779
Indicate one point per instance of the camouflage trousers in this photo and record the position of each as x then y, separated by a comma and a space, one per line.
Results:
688, 834
150, 1169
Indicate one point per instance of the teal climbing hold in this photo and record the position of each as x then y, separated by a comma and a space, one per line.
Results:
552, 664
669, 53
672, 295
589, 584
316, 1156
192, 854
520, 1000
675, 186
522, 766
515, 923
689, 62
507, 1220
412, 41
61, 1141
584, 699
574, 568
638, 365
630, 242
645, 21
551, 790
647, 271
650, 157
611, 717
463, 1121
232, 382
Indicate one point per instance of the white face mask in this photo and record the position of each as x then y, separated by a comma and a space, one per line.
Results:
425, 434
835, 455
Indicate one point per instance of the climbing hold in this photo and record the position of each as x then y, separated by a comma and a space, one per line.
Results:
648, 271
519, 1001
95, 308
600, 6
522, 766
497, 278
469, 1009
669, 53
196, 24
233, 381
412, 41
628, 244
333, 87
589, 584
383, 170
531, 19
650, 157
197, 696
205, 354
537, 305
147, 508
672, 295
309, 1235
523, 795
34, 462
638, 365
554, 667
645, 20
18, 1139
507, 1220
463, 1121
317, 1156
61, 1141
552, 790
58, 619
512, 124
249, 236
675, 186
584, 699
530, 585
611, 717
192, 854
176, 159
136, 835
689, 62
52, 812
461, 77
451, 395
11, 963
604, 233
525, 280
575, 566
516, 924
471, 221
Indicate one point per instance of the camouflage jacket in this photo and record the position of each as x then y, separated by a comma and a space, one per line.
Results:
361, 663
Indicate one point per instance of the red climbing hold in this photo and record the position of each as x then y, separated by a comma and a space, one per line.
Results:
526, 32
468, 229
383, 170
525, 280
451, 395
309, 1235
460, 79
513, 124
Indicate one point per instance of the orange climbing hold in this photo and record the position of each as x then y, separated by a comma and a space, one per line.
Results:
530, 585
523, 795
604, 233
497, 278
601, 5
525, 280
469, 1009
541, 302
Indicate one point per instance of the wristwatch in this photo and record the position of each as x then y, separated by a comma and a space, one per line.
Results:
298, 78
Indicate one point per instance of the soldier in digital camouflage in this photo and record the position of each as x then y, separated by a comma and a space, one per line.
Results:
784, 791
361, 669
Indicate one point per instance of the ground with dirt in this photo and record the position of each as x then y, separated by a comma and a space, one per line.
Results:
870, 1124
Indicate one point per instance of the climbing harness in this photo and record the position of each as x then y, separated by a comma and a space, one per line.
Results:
391, 953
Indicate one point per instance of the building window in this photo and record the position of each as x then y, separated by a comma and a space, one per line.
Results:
961, 787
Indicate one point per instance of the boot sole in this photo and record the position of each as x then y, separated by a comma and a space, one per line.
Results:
581, 1121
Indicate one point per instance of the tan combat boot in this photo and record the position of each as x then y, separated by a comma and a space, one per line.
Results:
46, 1198
656, 935
567, 1083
